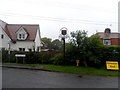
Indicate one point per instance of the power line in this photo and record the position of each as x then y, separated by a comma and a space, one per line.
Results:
70, 20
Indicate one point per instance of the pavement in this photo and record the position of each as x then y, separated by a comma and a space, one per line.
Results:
22, 66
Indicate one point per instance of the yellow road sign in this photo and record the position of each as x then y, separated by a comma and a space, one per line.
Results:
112, 65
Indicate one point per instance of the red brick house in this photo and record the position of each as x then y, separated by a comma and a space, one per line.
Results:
109, 38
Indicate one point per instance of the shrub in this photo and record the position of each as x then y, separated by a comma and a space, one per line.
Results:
30, 58
57, 59
4, 56
94, 61
45, 57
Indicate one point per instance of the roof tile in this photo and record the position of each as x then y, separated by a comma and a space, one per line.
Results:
31, 29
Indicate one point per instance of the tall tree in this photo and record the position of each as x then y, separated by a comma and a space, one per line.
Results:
86, 48
80, 40
95, 46
94, 41
56, 44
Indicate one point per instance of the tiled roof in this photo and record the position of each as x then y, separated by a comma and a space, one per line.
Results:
110, 35
31, 29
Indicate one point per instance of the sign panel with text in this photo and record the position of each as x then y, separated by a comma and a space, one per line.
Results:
112, 65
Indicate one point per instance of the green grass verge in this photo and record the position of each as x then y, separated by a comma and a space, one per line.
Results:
75, 70
81, 70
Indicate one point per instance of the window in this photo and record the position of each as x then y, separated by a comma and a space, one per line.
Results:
30, 49
2, 36
21, 49
21, 34
22, 37
106, 42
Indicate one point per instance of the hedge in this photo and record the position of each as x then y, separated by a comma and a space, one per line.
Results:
31, 57
97, 58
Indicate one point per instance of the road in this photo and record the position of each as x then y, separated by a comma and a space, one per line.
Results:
23, 78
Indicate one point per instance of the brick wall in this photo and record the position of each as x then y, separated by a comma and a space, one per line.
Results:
115, 41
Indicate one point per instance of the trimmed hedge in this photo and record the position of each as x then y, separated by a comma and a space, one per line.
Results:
31, 57
97, 57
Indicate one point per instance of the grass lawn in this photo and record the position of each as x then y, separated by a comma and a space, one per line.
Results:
75, 70
81, 70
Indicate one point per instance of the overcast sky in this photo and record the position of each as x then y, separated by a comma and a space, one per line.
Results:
52, 15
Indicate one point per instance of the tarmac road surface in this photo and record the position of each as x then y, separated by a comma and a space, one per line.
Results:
23, 78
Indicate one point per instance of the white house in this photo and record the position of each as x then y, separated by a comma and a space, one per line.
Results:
20, 37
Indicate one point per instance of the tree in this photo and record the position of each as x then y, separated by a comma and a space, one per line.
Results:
52, 45
95, 47
56, 45
48, 42
87, 49
80, 40
94, 41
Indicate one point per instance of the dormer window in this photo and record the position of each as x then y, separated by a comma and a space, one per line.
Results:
21, 34
107, 31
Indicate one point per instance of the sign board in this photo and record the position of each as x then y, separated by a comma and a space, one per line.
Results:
20, 55
64, 32
112, 65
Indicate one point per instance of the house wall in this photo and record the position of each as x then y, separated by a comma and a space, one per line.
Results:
5, 40
115, 41
0, 37
22, 44
38, 41
114, 37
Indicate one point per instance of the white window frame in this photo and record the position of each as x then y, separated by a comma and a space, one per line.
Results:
21, 34
106, 41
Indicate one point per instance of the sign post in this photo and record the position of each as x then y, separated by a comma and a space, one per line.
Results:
20, 56
63, 36
112, 65
77, 61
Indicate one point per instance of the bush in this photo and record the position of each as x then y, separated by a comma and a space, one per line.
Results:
4, 56
94, 61
31, 57
57, 59
95, 57
45, 57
